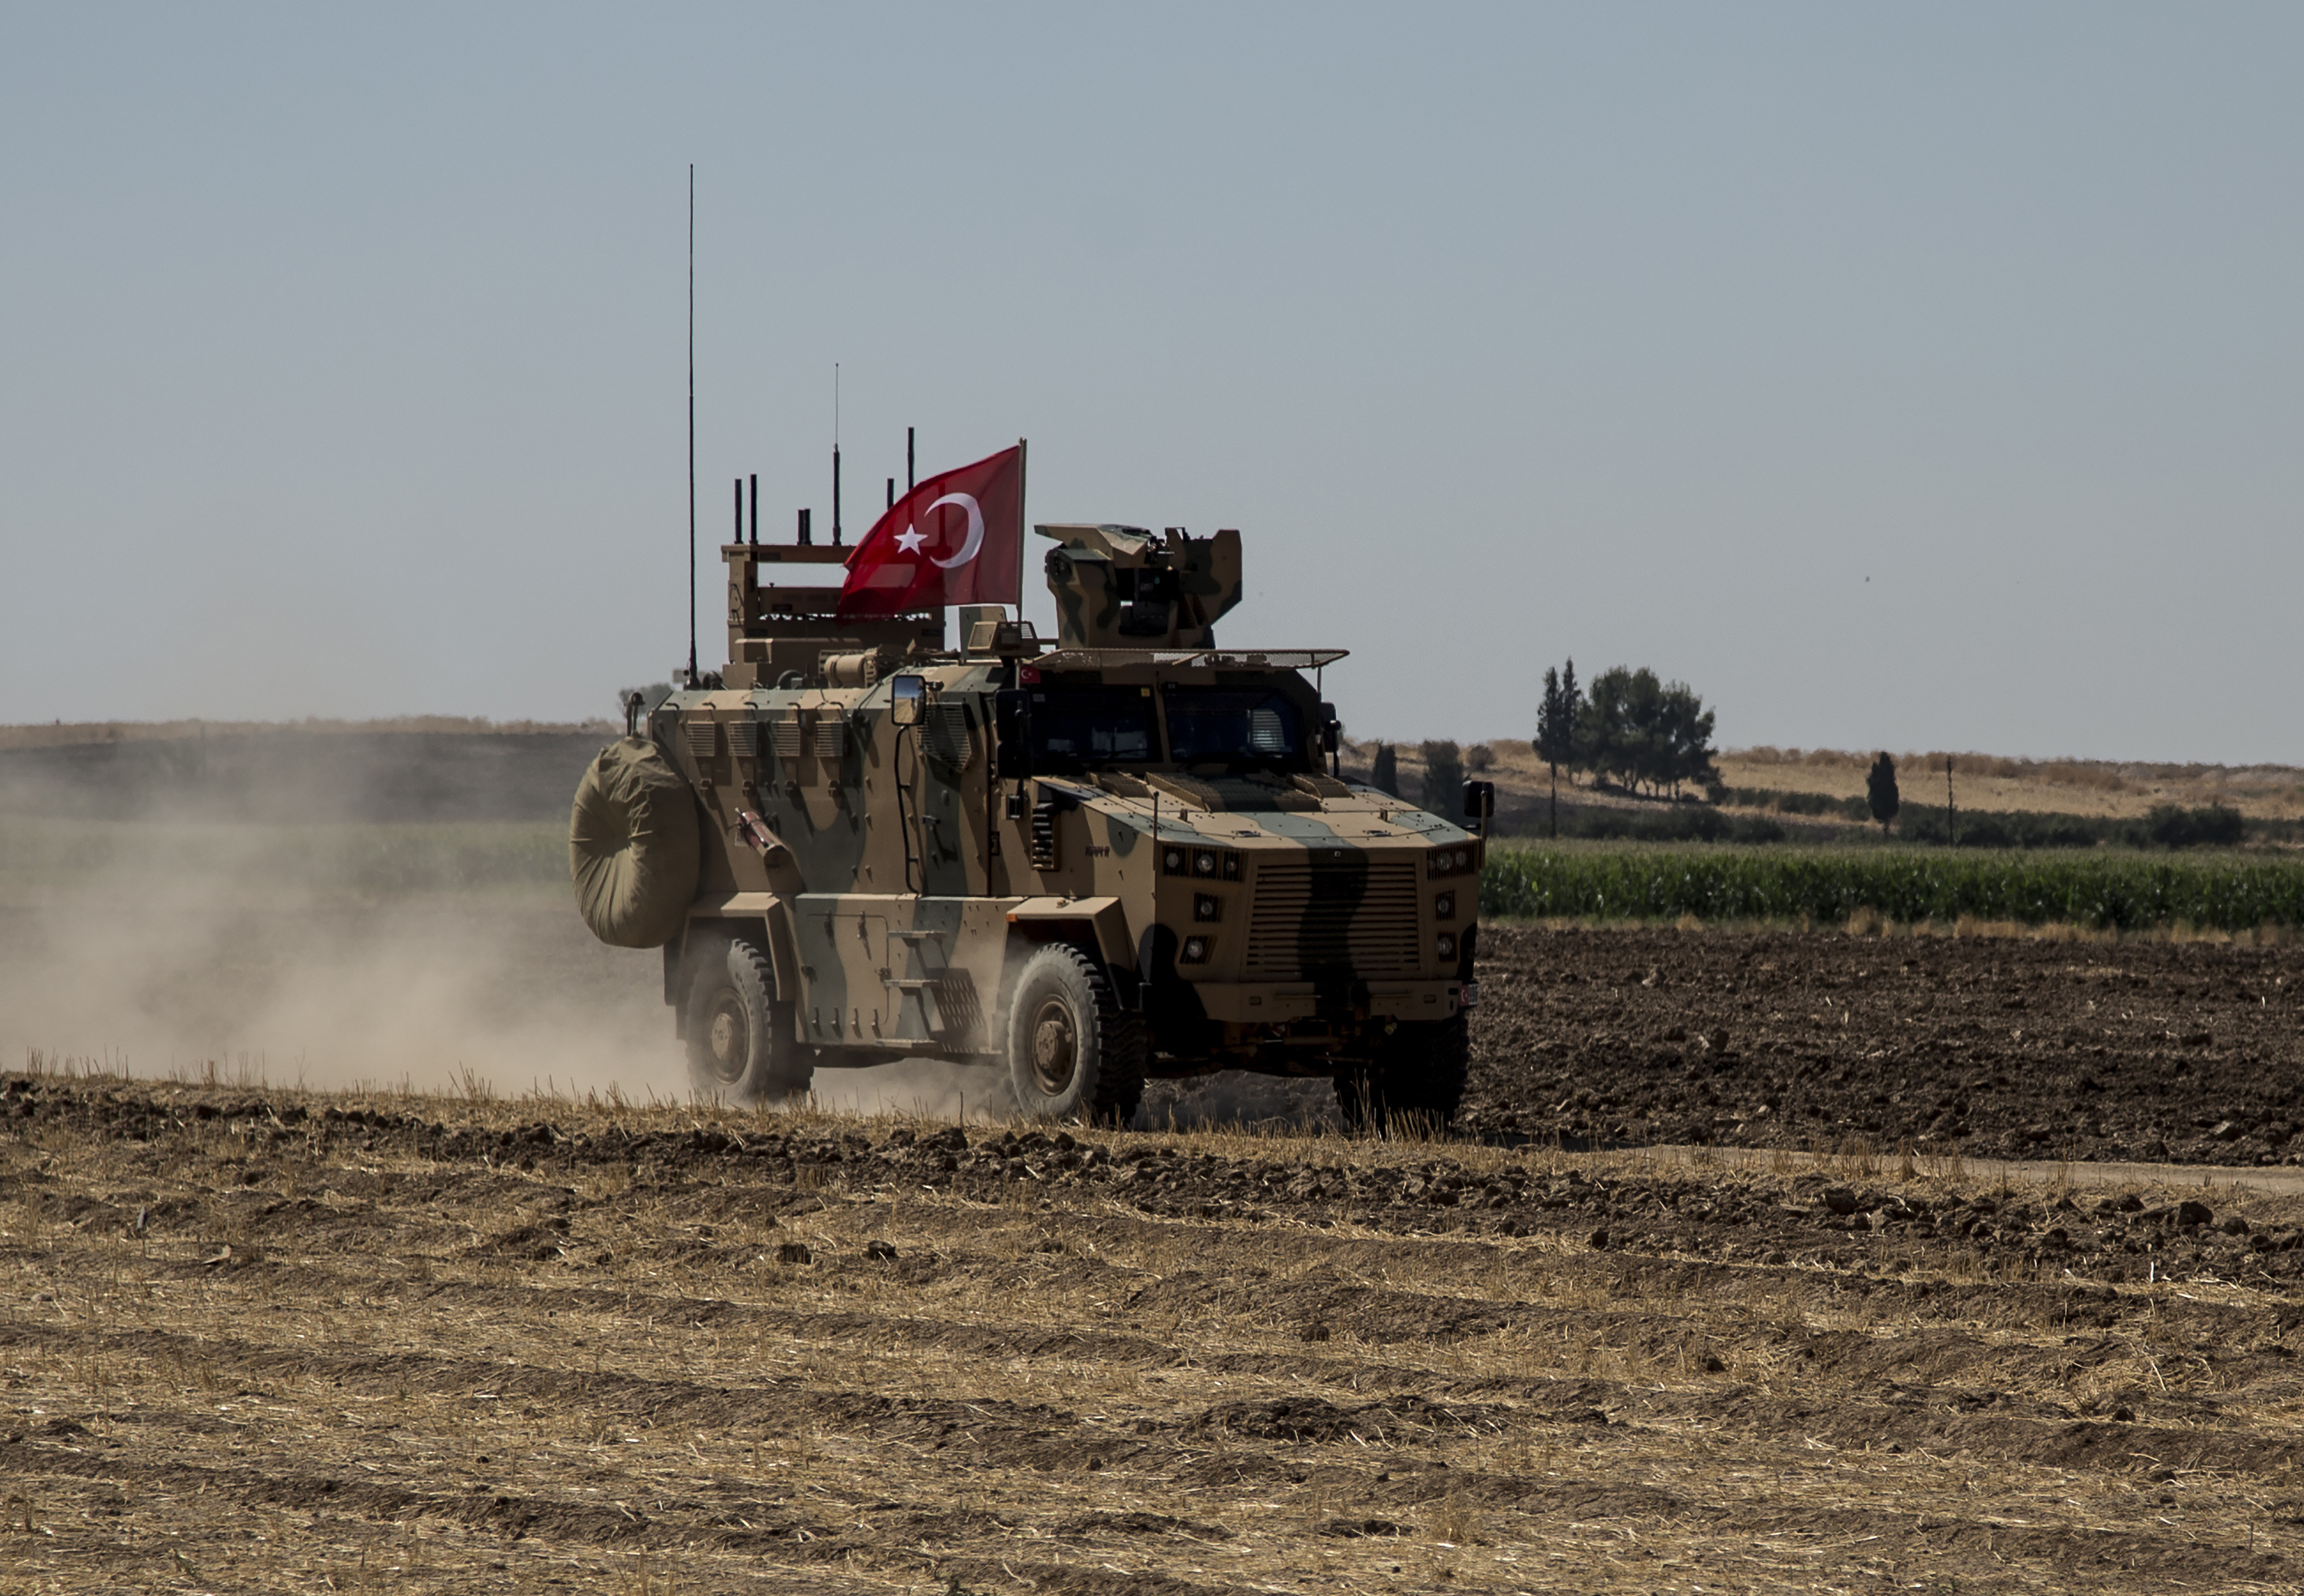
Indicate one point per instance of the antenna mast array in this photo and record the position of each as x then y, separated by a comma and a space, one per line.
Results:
691, 424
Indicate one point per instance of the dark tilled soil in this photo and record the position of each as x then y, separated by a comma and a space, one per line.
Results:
1998, 1048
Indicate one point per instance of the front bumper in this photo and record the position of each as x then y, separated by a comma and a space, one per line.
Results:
1277, 1002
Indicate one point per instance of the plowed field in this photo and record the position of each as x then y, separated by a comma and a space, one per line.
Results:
278, 1342
1995, 1047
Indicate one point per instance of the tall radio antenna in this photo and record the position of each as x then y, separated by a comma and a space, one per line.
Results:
691, 424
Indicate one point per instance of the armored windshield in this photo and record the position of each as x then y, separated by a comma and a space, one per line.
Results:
1081, 728
1239, 728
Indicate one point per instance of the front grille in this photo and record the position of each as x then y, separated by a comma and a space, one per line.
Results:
1320, 917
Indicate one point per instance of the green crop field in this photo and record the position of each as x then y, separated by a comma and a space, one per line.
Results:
2105, 889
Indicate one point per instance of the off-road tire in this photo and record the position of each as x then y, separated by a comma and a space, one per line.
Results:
1416, 1082
741, 1046
1073, 1054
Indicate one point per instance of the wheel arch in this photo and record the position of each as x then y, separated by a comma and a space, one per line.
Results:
763, 916
1097, 926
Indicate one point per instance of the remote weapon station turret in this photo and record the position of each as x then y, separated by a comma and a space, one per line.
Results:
1078, 865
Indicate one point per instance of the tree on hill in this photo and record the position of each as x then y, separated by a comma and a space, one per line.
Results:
1443, 779
1384, 771
1556, 728
1880, 791
1684, 740
1645, 731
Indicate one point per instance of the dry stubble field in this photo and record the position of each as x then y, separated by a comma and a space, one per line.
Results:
265, 1341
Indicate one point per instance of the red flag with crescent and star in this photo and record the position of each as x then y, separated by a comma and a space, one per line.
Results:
957, 538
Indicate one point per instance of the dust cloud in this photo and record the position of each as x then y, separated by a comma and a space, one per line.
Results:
382, 910
176, 971
214, 967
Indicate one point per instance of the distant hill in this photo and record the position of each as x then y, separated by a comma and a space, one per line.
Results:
1982, 781
2097, 787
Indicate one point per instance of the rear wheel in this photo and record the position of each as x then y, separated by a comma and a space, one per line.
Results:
1073, 1054
741, 1046
1415, 1082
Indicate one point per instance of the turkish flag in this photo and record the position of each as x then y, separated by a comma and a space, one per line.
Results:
958, 538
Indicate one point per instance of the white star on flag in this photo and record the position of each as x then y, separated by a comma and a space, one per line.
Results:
956, 538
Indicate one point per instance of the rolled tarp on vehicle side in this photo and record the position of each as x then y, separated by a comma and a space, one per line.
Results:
633, 848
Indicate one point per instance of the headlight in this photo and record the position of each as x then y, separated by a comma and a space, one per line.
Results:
1196, 950
1203, 863
1453, 860
1206, 907
1448, 944
1443, 907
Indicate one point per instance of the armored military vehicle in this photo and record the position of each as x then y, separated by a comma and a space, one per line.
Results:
1077, 863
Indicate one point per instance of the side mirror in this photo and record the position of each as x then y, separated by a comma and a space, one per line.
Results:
1011, 734
1332, 730
1480, 802
908, 699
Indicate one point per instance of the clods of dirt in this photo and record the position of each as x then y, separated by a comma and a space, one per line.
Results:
1995, 1047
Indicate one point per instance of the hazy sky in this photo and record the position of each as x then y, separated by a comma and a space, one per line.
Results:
1910, 376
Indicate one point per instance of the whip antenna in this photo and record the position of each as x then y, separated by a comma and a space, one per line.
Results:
691, 424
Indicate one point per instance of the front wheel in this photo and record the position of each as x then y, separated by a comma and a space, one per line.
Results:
741, 1042
1072, 1052
1415, 1082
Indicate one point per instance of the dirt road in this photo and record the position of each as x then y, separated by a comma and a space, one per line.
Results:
293, 1343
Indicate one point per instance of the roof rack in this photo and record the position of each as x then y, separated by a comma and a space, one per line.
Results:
1228, 659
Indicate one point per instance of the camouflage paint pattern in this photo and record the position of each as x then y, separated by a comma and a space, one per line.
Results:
1279, 922
1096, 571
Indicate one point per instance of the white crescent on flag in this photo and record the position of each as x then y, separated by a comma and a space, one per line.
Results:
967, 550
918, 557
